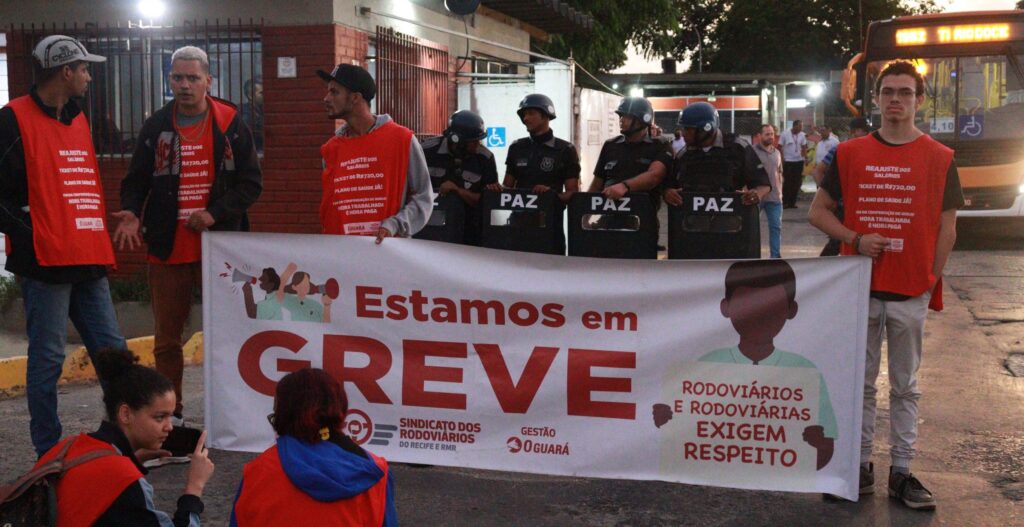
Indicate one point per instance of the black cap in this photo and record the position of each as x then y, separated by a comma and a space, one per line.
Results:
354, 78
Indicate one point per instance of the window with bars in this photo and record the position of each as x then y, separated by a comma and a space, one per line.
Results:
412, 82
133, 83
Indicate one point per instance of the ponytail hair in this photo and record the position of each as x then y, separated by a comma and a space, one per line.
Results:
127, 382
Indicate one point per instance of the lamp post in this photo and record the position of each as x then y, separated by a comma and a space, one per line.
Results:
700, 50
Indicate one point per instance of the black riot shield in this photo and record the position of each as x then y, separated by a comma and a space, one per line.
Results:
522, 220
713, 226
447, 222
607, 228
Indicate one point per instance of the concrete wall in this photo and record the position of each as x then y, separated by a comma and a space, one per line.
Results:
433, 12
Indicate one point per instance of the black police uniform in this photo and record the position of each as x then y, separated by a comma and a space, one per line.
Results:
725, 167
542, 160
621, 160
471, 172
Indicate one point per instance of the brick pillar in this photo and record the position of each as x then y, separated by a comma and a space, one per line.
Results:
295, 124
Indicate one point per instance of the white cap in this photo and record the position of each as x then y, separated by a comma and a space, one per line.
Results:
58, 50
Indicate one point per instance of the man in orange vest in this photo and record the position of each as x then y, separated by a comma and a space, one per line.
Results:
901, 192
194, 169
52, 211
375, 179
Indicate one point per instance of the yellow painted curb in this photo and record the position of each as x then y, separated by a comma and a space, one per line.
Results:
78, 367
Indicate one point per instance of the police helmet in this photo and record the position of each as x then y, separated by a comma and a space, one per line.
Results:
637, 107
465, 125
539, 102
700, 115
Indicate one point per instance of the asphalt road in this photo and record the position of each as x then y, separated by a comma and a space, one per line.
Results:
971, 433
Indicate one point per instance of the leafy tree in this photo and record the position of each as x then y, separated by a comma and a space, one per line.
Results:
646, 23
783, 35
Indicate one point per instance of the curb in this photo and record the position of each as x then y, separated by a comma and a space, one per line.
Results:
78, 367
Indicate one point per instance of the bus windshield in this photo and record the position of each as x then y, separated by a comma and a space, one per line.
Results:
967, 98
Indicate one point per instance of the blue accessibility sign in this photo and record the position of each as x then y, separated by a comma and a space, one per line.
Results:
972, 126
496, 137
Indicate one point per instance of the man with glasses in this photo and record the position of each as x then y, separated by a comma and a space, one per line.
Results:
901, 191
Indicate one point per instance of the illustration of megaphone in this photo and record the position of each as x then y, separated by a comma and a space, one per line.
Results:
239, 276
330, 289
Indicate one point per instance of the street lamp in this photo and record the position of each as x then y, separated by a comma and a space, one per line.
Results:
700, 50
151, 9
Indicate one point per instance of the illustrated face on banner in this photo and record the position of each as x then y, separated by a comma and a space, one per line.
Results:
759, 313
269, 281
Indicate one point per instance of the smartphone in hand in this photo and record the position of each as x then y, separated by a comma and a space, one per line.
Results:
182, 441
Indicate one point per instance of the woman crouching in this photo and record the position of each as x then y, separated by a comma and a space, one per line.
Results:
315, 474
112, 490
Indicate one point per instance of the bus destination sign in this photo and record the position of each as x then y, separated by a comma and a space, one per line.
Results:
959, 34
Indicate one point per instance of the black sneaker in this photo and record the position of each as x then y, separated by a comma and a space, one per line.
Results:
906, 488
867, 479
867, 483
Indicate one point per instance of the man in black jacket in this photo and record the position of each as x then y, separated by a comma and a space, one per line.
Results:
194, 168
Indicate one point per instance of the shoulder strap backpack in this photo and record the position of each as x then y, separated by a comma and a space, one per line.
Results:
31, 500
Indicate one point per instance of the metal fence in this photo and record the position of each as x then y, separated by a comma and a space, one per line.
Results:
412, 82
133, 82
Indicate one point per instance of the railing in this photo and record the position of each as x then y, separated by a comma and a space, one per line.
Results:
412, 82
133, 82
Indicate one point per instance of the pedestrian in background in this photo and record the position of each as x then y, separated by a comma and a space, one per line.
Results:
771, 204
794, 151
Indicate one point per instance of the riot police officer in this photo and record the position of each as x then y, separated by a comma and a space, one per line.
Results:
710, 163
705, 223
634, 161
460, 164
541, 162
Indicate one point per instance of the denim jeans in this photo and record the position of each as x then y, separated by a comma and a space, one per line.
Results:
47, 309
773, 211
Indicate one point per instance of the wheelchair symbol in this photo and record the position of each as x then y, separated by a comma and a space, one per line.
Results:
972, 127
496, 137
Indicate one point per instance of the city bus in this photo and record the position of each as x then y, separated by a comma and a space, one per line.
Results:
974, 95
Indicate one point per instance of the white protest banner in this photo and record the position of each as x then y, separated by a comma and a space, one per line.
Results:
740, 374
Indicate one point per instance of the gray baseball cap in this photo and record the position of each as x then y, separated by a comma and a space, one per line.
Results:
58, 50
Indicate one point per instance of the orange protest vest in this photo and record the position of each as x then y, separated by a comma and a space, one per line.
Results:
268, 497
65, 195
364, 179
196, 177
896, 191
85, 492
